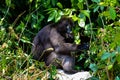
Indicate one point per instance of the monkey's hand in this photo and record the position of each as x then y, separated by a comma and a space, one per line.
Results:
84, 46
49, 50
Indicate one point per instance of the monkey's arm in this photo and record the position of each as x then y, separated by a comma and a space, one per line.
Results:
59, 44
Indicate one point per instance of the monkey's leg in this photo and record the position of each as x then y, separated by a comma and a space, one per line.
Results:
51, 58
68, 64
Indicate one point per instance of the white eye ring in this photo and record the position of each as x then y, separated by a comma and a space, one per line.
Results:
67, 26
68, 29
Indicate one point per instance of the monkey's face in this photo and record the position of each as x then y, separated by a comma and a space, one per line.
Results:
68, 30
69, 33
65, 28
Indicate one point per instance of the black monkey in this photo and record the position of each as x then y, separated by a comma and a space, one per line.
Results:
56, 36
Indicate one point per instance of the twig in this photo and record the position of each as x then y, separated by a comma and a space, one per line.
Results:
90, 22
5, 14
26, 24
18, 18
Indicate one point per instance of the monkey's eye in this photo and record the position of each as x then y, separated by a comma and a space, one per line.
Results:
69, 29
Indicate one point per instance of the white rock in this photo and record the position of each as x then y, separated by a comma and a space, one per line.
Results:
77, 76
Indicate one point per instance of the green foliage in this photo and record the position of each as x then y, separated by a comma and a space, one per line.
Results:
97, 19
93, 67
107, 53
112, 13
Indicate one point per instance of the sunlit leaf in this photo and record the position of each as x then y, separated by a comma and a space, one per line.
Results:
57, 17
102, 4
80, 5
81, 22
80, 0
30, 1
112, 13
86, 13
59, 5
59, 13
109, 67
8, 2
67, 11
25, 40
52, 16
75, 18
77, 41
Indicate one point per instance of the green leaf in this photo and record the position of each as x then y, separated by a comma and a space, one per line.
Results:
81, 23
118, 49
20, 27
96, 1
52, 15
93, 67
86, 13
54, 2
25, 40
112, 13
80, 1
109, 67
113, 54
30, 1
34, 16
53, 70
58, 16
59, 5
105, 56
8, 2
101, 8
77, 41
118, 57
75, 18
81, 15
87, 27
96, 9
117, 78
80, 5
94, 78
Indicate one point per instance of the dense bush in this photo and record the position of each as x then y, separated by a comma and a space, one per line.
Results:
99, 20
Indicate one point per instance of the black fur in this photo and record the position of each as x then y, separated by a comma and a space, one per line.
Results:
54, 36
